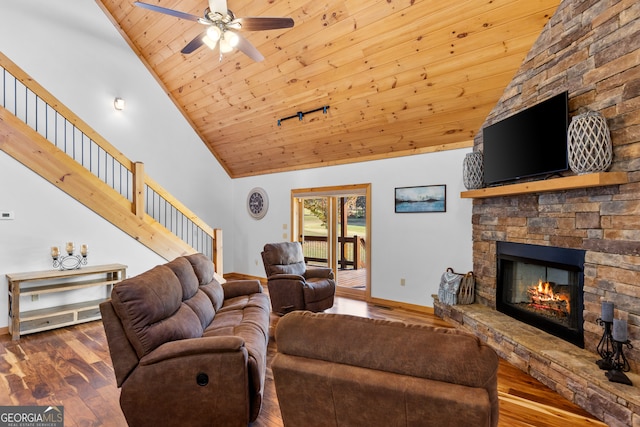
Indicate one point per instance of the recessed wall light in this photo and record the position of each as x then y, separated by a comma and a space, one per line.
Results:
118, 104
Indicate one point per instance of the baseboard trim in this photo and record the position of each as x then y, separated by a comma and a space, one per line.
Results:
372, 300
357, 294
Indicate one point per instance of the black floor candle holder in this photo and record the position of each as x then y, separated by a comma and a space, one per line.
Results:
620, 364
605, 347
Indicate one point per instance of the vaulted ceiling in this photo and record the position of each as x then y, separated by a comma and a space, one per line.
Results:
399, 77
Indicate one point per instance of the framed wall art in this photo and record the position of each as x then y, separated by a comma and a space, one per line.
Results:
427, 198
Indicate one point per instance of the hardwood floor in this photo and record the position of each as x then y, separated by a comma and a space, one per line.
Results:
72, 367
353, 279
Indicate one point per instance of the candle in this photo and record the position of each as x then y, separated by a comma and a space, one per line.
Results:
84, 250
55, 252
620, 330
70, 248
607, 311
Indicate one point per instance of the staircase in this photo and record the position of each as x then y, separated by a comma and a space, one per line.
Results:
43, 135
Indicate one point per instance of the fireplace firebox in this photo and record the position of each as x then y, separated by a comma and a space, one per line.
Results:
542, 286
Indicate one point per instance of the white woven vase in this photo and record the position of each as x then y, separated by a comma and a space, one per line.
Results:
589, 143
472, 171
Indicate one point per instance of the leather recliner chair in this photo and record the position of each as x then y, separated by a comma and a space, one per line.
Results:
292, 284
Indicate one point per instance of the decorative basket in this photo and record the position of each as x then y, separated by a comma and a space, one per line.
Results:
589, 143
466, 293
472, 171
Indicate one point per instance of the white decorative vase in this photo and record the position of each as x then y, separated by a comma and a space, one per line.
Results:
472, 171
589, 143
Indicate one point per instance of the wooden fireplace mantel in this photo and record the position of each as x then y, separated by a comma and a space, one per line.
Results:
599, 179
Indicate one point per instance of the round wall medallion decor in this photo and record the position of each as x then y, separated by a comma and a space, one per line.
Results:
257, 203
589, 143
472, 171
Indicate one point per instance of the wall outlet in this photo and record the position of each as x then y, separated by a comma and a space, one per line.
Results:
402, 281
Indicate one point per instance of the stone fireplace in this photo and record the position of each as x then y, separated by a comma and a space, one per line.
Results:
542, 286
586, 49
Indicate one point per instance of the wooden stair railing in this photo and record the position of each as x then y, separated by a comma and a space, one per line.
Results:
36, 152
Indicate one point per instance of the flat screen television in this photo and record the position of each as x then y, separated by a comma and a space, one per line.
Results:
532, 142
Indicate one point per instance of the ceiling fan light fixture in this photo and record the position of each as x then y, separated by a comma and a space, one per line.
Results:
225, 47
214, 33
211, 44
228, 41
231, 38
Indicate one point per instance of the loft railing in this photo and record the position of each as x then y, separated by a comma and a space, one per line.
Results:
34, 106
22, 102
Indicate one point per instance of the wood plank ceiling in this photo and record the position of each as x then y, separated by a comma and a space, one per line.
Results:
400, 77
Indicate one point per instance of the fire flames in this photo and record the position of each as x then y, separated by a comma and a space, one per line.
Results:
544, 288
543, 298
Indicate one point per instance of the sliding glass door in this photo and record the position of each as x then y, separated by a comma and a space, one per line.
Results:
333, 224
315, 231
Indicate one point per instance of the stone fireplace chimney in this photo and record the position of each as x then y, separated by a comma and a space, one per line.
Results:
585, 49
590, 49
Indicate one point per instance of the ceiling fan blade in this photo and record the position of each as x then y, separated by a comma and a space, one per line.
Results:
193, 44
259, 23
247, 48
176, 13
219, 6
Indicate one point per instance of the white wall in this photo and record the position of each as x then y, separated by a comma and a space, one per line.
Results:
45, 217
417, 247
73, 50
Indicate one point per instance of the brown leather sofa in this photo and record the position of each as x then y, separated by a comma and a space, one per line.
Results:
187, 350
339, 370
292, 284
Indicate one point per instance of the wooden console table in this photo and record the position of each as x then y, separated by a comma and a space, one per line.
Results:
54, 281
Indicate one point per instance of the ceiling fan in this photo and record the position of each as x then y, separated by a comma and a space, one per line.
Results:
223, 28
